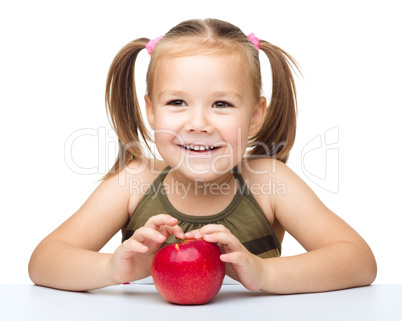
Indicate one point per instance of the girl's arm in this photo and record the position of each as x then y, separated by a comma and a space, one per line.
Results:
337, 257
69, 259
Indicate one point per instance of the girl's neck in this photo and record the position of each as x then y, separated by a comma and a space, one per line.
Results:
200, 197
176, 178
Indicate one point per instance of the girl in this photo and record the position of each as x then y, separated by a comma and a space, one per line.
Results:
223, 176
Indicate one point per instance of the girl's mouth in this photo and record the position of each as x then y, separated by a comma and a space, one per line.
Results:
199, 148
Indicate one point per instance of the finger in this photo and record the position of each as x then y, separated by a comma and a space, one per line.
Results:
173, 230
178, 232
233, 257
159, 220
131, 245
148, 234
191, 234
211, 228
227, 240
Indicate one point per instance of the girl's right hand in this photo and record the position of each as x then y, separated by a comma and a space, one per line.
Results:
133, 258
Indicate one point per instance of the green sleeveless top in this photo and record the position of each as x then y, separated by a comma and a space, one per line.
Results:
243, 217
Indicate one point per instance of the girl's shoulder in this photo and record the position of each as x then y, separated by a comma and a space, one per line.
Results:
278, 189
139, 169
259, 170
273, 177
144, 169
138, 175
269, 180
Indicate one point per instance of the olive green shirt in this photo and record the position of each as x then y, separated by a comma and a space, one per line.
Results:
243, 217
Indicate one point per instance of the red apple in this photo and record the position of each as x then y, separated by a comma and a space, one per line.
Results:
190, 272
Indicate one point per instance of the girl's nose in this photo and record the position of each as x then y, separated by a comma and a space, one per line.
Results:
198, 121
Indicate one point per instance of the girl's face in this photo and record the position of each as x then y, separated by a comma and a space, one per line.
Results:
202, 111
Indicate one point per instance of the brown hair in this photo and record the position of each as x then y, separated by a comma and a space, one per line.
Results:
210, 36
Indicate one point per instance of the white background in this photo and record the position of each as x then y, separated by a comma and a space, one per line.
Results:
54, 60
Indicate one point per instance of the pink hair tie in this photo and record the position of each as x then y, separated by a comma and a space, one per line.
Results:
152, 43
254, 40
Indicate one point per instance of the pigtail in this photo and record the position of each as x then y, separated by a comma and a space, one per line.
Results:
122, 105
277, 134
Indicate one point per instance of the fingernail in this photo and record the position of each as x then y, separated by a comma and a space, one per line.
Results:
198, 235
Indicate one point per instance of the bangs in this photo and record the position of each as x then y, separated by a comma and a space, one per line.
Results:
192, 46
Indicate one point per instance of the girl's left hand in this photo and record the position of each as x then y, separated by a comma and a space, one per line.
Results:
242, 265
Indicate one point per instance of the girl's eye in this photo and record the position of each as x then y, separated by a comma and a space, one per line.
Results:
177, 103
221, 104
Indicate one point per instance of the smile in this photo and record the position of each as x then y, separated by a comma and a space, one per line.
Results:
198, 147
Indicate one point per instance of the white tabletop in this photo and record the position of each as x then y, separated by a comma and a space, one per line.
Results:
233, 302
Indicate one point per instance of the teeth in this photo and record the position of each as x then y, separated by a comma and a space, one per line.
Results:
197, 147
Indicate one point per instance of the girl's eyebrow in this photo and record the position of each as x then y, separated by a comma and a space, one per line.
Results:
218, 93
227, 93
172, 92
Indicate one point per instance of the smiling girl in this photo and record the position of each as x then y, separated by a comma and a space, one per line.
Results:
221, 142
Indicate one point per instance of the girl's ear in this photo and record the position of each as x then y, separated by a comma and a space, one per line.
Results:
258, 116
150, 111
